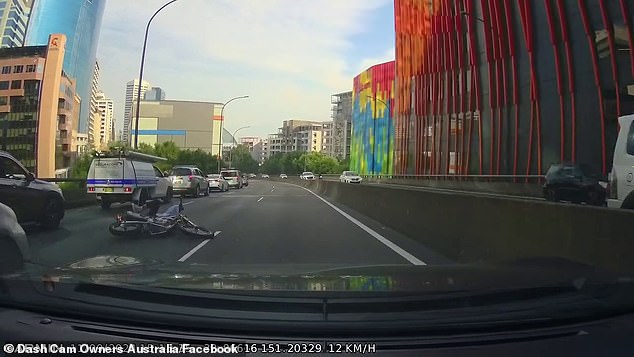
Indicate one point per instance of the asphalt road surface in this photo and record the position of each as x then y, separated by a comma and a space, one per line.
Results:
266, 223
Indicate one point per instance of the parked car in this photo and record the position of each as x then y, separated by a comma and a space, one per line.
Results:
245, 180
576, 183
233, 177
283, 176
350, 177
251, 176
14, 247
217, 182
127, 177
189, 180
265, 176
307, 175
32, 200
621, 179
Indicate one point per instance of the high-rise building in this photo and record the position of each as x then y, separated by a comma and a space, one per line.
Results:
509, 87
131, 92
95, 133
80, 21
39, 106
186, 123
342, 124
260, 151
105, 107
372, 145
327, 141
249, 141
92, 116
154, 93
14, 17
297, 135
81, 143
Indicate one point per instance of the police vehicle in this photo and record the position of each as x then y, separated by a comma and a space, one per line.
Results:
127, 177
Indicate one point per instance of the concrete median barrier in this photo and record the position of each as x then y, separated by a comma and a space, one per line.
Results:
470, 228
78, 198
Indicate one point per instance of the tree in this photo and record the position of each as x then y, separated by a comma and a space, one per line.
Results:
81, 166
118, 144
319, 163
344, 165
295, 162
242, 160
145, 149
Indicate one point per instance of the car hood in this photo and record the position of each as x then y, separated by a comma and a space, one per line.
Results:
126, 270
45, 185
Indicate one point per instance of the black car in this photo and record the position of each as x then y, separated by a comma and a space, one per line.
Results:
31, 199
576, 183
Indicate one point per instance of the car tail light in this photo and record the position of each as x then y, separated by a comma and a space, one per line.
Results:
127, 189
190, 177
612, 187
91, 189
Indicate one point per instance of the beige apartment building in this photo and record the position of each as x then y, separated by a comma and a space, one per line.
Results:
300, 135
39, 106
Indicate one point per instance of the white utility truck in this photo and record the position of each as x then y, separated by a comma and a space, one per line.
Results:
121, 176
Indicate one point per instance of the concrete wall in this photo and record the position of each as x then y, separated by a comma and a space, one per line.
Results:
469, 228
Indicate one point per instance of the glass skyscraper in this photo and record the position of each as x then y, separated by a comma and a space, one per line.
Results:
80, 21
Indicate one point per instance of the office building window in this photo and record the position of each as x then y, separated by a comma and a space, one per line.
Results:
6, 69
4, 100
30, 68
18, 69
4, 85
16, 84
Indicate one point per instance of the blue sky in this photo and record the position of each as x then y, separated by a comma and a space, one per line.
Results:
289, 56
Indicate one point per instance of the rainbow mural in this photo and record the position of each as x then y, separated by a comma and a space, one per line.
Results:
372, 142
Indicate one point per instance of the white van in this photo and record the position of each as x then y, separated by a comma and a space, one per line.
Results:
127, 177
621, 180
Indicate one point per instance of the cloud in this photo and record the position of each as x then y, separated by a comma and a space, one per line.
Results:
288, 55
366, 63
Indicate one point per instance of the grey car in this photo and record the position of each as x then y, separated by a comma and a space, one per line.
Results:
32, 200
189, 180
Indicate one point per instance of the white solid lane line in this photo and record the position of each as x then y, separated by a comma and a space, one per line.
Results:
261, 198
398, 250
196, 248
187, 203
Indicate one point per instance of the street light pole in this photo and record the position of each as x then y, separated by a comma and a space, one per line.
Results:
138, 93
234, 139
222, 120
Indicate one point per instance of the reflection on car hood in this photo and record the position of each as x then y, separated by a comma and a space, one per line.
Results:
122, 270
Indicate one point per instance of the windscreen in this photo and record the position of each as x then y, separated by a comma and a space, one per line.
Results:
181, 171
108, 169
228, 174
448, 111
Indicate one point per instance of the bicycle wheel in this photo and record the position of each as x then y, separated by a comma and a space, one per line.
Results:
125, 229
190, 228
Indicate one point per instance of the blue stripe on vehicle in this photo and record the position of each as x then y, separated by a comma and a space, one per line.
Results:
160, 132
120, 182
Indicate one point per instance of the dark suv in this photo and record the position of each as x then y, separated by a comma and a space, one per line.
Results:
576, 183
31, 199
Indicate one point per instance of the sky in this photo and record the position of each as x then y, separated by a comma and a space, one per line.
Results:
288, 56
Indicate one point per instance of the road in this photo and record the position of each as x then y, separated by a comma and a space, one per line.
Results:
267, 223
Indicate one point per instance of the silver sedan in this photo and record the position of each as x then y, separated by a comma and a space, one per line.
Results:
217, 182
